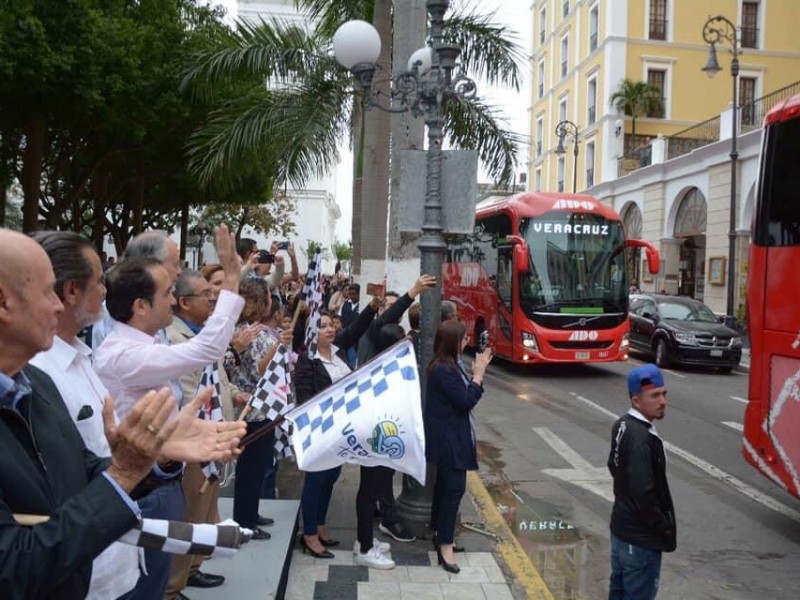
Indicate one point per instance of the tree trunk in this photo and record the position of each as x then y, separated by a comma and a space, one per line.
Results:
32, 173
100, 194
184, 227
138, 201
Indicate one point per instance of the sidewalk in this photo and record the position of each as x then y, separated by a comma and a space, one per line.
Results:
416, 576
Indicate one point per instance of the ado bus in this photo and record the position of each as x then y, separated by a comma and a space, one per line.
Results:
546, 275
772, 417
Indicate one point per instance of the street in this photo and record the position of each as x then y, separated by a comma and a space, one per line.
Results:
543, 444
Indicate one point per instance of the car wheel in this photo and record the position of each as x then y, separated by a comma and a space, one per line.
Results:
662, 354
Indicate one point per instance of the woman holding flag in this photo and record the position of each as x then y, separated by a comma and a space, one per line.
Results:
451, 395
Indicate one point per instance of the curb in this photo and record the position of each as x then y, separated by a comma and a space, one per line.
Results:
511, 551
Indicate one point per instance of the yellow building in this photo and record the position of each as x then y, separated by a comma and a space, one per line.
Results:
583, 49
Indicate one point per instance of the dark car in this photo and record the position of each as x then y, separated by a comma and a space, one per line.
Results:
682, 331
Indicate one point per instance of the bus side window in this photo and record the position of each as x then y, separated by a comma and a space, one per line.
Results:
505, 275
778, 221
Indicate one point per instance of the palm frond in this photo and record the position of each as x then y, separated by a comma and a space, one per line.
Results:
473, 125
489, 50
330, 14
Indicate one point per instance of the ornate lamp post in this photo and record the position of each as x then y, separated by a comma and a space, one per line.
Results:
424, 88
563, 129
716, 30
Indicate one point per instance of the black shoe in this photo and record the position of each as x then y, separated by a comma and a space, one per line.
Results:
264, 521
329, 543
308, 550
456, 547
204, 580
259, 534
397, 531
449, 567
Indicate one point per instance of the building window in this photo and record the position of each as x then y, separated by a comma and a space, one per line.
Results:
749, 24
658, 20
539, 135
541, 79
542, 25
589, 164
747, 97
593, 26
657, 78
538, 180
561, 169
565, 7
562, 109
591, 102
564, 55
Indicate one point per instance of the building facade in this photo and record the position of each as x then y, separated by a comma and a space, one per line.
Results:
583, 49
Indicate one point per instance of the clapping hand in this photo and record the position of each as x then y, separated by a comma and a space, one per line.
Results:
242, 337
482, 360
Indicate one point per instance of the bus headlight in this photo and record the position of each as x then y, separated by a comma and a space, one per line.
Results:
626, 341
529, 341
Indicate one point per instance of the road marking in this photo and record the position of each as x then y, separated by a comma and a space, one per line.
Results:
715, 472
734, 425
742, 400
671, 372
582, 474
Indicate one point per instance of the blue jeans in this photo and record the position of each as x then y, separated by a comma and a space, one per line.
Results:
635, 571
316, 497
165, 502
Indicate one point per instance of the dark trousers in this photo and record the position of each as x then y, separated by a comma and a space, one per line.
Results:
372, 487
268, 485
316, 498
387, 503
250, 468
447, 493
165, 502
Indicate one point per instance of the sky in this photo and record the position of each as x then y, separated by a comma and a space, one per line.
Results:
514, 106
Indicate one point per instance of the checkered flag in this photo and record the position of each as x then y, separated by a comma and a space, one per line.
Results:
177, 537
312, 292
210, 411
273, 397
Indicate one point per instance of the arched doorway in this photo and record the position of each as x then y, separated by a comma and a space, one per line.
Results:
690, 230
632, 222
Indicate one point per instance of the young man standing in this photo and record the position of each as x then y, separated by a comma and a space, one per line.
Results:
643, 517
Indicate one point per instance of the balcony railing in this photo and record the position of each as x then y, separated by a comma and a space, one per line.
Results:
593, 42
638, 154
564, 69
658, 29
749, 37
589, 178
591, 117
752, 113
693, 137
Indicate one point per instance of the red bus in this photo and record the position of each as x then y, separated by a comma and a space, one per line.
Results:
546, 275
772, 417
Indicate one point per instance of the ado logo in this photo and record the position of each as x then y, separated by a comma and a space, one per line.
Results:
583, 336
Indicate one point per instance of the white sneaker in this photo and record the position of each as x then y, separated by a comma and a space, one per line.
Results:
383, 547
374, 560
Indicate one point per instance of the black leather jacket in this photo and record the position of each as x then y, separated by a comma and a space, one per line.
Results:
643, 513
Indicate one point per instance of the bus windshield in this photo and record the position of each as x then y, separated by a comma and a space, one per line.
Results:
577, 265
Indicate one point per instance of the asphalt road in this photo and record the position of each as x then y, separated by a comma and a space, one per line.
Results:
544, 437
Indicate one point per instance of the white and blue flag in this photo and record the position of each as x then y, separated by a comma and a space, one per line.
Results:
371, 417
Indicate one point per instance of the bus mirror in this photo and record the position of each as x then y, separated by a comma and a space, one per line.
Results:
521, 258
653, 256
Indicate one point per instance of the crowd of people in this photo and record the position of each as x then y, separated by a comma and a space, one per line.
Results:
106, 419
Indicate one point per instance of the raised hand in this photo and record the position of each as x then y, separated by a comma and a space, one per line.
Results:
228, 258
482, 361
199, 440
242, 337
424, 283
138, 440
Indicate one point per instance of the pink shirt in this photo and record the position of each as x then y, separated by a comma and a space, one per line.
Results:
131, 363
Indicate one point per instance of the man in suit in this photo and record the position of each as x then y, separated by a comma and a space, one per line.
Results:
194, 303
62, 505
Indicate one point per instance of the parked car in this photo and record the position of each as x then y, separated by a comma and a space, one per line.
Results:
679, 330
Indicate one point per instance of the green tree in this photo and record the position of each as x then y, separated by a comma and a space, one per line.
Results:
636, 99
264, 218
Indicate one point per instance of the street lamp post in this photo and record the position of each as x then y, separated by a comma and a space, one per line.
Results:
719, 29
424, 88
563, 129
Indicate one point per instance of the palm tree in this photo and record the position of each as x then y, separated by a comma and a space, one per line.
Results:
636, 99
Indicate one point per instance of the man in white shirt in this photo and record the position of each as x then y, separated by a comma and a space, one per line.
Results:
79, 286
132, 360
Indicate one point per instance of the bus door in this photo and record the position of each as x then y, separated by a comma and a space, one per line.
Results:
503, 321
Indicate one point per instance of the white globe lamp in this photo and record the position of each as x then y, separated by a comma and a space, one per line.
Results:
356, 42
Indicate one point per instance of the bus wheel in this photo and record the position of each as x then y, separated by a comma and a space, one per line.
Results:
662, 354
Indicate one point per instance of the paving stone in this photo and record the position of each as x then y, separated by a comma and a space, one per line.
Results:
497, 591
372, 591
463, 591
420, 591
427, 575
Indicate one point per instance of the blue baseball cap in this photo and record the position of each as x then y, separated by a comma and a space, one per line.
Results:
644, 377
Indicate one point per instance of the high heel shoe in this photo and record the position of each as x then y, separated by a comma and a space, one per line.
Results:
309, 550
456, 547
449, 567
329, 543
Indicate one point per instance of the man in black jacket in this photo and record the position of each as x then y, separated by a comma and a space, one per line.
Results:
643, 517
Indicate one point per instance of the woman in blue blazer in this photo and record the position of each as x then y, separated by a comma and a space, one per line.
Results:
450, 397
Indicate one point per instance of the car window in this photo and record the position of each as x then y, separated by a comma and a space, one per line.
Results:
680, 311
645, 306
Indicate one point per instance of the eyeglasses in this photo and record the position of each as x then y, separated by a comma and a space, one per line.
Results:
205, 294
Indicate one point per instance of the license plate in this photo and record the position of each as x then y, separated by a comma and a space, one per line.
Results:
581, 356
716, 353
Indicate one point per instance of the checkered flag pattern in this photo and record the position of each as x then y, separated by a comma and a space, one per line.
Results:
210, 411
177, 537
312, 291
371, 417
273, 398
